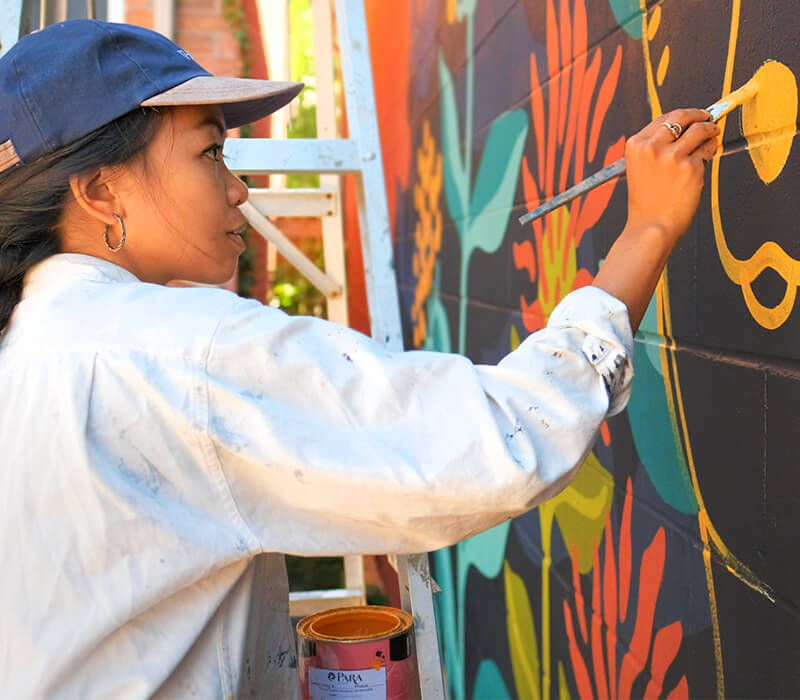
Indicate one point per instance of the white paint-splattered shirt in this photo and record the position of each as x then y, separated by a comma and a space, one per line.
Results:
161, 447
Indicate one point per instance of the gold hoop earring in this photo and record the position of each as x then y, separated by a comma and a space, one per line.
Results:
121, 240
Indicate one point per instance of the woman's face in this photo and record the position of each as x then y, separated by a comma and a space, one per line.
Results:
179, 202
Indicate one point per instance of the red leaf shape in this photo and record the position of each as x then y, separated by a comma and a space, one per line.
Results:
537, 113
525, 258
625, 552
650, 576
578, 72
604, 97
665, 649
580, 606
680, 691
583, 278
597, 633
566, 60
532, 314
578, 664
597, 200
589, 82
610, 605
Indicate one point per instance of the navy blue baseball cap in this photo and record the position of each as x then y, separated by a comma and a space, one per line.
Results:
65, 81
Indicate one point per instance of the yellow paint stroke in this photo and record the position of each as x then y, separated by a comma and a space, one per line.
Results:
655, 21
521, 636
774, 112
708, 533
777, 94
663, 64
581, 510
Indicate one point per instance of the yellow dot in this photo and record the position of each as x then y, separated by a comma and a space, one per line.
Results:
663, 64
655, 20
769, 119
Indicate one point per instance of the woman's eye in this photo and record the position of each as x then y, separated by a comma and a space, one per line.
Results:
214, 151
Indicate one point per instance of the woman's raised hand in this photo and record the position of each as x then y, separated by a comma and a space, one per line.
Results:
665, 165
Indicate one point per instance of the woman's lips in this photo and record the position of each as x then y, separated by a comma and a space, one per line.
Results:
237, 239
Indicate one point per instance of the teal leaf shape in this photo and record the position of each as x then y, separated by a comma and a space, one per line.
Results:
456, 179
496, 183
489, 683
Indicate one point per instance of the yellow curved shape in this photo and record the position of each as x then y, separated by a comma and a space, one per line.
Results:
773, 111
771, 154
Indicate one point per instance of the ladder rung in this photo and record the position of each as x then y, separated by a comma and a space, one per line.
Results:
258, 156
322, 281
294, 202
304, 603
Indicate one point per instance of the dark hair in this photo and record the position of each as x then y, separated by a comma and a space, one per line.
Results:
32, 196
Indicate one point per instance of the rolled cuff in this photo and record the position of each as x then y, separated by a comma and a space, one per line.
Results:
608, 345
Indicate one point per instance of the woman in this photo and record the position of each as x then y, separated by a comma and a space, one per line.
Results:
163, 447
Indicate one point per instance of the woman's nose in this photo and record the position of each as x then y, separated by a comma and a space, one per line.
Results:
237, 190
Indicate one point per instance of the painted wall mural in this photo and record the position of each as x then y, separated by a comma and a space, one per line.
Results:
669, 567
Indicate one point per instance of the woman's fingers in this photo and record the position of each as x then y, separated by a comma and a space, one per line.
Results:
682, 117
665, 174
695, 136
705, 151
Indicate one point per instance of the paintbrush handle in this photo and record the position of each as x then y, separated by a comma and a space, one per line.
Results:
717, 111
608, 173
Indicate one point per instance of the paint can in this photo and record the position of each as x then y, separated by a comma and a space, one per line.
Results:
364, 652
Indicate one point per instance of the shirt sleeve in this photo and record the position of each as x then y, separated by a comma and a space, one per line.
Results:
330, 444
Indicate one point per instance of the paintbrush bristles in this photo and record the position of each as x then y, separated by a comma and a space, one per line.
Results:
730, 102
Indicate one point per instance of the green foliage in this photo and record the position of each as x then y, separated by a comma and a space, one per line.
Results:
311, 574
292, 292
304, 110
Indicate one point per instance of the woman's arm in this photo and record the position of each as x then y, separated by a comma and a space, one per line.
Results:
665, 179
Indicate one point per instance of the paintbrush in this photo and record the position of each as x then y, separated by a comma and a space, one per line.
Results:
716, 111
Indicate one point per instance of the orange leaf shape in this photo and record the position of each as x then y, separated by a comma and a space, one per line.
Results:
597, 200
578, 665
604, 97
525, 258
580, 606
680, 691
610, 605
566, 59
625, 552
578, 72
532, 314
665, 649
650, 575
598, 662
589, 82
537, 113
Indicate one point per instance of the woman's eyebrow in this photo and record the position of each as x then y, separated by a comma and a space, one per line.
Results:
212, 121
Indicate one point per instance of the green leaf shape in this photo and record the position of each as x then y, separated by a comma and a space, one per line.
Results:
628, 16
485, 551
653, 421
581, 509
521, 636
496, 183
456, 179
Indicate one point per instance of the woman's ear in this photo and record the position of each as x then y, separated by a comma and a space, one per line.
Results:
93, 193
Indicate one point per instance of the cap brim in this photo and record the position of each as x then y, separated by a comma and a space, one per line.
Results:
242, 100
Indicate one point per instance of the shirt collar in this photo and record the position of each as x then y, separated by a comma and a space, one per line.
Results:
62, 267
